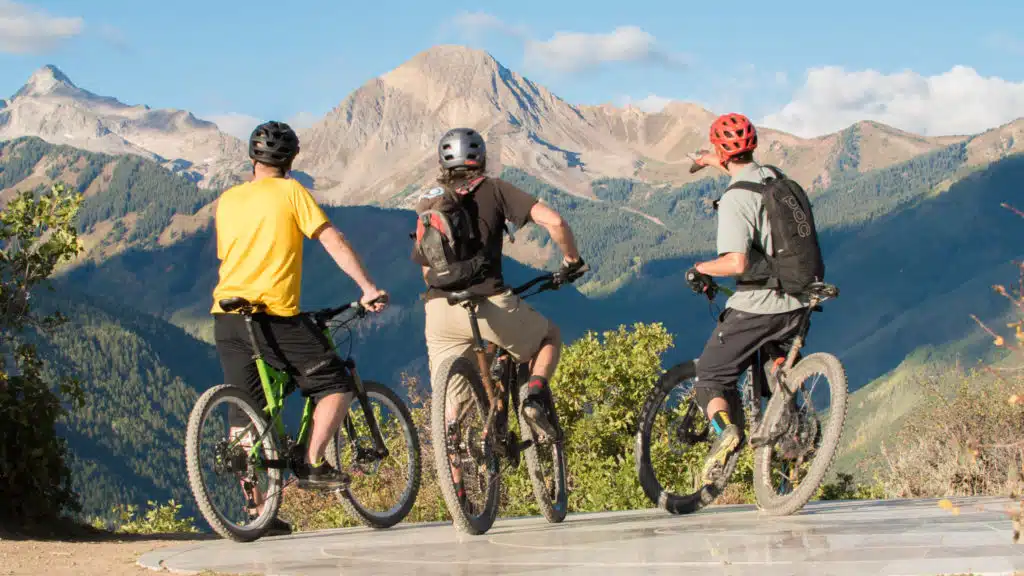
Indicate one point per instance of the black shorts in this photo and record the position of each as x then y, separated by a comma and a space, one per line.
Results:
289, 343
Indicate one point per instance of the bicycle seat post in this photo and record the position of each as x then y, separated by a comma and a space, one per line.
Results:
247, 314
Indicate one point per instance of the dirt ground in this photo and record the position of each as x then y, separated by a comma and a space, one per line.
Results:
113, 557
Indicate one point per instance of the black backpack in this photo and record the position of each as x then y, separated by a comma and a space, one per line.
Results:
797, 261
448, 239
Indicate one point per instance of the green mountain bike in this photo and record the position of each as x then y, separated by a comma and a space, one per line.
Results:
377, 444
793, 434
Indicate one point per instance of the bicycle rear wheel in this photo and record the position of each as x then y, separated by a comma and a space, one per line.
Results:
802, 443
457, 426
212, 452
382, 491
546, 466
672, 440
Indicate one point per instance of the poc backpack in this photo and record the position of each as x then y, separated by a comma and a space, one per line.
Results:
796, 262
447, 238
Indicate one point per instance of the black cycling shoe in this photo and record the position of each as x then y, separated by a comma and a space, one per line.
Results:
536, 416
322, 476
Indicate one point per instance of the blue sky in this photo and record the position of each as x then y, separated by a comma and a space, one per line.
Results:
890, 60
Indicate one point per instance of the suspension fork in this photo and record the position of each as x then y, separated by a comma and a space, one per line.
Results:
371, 419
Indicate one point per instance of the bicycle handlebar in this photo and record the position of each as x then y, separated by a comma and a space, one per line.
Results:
329, 313
706, 283
551, 280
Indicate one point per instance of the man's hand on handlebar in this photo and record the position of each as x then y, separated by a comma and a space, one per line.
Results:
701, 283
570, 271
374, 299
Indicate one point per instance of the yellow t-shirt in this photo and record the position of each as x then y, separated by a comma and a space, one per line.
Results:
260, 227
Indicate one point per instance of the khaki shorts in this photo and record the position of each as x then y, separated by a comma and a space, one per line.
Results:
504, 319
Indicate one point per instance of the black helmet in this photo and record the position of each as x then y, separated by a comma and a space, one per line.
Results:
274, 144
462, 148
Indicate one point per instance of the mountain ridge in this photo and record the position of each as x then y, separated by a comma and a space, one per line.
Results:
376, 146
52, 107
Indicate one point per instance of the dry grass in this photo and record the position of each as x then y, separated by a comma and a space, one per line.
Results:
970, 442
315, 510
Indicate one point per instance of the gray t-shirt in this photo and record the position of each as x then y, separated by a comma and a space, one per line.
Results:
742, 222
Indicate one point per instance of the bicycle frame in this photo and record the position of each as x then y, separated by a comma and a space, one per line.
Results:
497, 403
277, 385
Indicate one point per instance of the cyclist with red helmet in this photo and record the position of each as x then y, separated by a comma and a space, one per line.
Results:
754, 315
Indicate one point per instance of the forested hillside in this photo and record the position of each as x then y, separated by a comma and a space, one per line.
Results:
913, 247
140, 376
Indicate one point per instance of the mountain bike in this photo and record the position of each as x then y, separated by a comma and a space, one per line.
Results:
473, 436
376, 442
787, 439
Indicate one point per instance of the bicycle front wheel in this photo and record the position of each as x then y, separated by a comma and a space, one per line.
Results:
546, 466
237, 493
803, 445
465, 461
383, 489
672, 440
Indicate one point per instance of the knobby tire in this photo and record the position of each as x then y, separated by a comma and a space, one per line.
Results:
389, 399
475, 525
671, 502
213, 516
770, 502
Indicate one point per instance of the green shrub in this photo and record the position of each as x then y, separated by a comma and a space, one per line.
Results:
159, 519
37, 234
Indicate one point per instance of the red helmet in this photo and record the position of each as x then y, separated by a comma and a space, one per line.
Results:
731, 135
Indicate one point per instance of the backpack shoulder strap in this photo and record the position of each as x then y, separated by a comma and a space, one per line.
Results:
779, 174
743, 185
471, 186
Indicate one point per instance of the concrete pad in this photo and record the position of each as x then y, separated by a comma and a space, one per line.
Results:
853, 537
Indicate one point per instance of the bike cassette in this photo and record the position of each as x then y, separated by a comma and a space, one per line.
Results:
230, 459
801, 437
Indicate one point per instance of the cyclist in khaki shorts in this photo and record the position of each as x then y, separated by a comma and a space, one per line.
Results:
504, 318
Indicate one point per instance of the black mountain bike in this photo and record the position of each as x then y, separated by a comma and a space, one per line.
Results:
788, 437
376, 444
470, 437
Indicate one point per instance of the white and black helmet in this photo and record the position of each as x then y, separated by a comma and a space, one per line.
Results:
462, 148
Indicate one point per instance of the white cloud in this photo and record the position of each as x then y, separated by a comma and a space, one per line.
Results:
238, 125
242, 125
302, 120
651, 103
575, 51
959, 101
26, 30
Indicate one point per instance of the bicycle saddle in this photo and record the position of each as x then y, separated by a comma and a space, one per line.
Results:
461, 296
234, 303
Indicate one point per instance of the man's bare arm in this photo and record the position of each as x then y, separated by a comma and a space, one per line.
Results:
341, 251
728, 264
558, 228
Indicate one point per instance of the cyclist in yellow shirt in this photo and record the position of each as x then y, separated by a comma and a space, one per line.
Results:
260, 228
